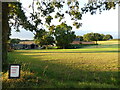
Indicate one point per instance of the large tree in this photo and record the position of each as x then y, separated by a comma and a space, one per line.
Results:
12, 16
63, 35
14, 41
43, 37
92, 37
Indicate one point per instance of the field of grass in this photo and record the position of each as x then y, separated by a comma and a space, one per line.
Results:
95, 67
109, 42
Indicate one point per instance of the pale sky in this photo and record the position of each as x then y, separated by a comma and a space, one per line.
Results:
105, 23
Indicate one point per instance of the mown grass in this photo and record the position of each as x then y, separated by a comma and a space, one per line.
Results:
65, 68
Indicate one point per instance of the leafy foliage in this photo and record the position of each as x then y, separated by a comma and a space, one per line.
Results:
102, 37
100, 5
17, 17
92, 37
96, 37
107, 37
80, 38
14, 41
43, 38
63, 35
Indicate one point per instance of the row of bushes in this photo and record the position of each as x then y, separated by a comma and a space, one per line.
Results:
79, 46
72, 46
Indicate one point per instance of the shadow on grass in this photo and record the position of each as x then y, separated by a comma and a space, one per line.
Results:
75, 52
59, 75
101, 46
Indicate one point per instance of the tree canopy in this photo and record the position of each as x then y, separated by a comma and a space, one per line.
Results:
43, 37
107, 37
96, 37
14, 41
63, 35
79, 38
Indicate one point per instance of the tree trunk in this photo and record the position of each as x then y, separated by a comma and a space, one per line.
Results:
46, 47
63, 47
96, 42
5, 28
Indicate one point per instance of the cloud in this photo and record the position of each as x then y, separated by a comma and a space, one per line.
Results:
23, 34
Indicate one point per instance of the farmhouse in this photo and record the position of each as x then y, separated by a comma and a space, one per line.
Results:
82, 42
25, 45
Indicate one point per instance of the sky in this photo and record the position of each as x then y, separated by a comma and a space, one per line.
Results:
104, 23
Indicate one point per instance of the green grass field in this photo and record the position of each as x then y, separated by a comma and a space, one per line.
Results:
88, 67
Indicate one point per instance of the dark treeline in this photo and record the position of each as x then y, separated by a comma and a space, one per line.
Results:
94, 37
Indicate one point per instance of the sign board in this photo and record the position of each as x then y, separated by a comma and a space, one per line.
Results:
14, 71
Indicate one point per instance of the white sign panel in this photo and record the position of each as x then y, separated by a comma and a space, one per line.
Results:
14, 71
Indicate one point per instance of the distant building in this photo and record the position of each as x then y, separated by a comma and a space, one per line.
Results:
25, 45
76, 42
82, 42
88, 42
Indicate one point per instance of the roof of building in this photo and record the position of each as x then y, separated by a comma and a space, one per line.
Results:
82, 42
27, 42
76, 42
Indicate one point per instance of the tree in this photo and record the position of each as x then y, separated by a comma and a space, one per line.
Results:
92, 37
44, 38
14, 41
5, 29
63, 35
101, 37
80, 38
107, 37
12, 16
49, 40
